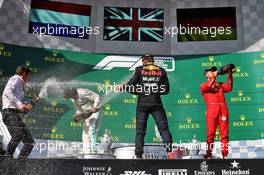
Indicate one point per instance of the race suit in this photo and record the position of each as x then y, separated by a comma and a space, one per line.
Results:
216, 111
86, 101
149, 82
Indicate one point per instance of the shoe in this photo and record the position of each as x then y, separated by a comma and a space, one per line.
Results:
224, 156
207, 157
171, 156
137, 157
2, 152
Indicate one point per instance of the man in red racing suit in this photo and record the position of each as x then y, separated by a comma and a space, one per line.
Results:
216, 109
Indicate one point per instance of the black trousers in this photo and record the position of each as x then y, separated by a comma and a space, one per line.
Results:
19, 132
160, 118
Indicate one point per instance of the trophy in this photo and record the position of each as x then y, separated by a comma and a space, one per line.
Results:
106, 143
226, 69
195, 146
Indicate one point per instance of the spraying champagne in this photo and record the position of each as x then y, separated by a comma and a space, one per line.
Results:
226, 69
31, 104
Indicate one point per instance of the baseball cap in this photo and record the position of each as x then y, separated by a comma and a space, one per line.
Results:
213, 69
147, 56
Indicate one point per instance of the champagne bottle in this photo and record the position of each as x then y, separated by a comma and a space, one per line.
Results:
226, 69
31, 103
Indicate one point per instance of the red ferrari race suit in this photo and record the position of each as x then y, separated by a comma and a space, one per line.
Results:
216, 111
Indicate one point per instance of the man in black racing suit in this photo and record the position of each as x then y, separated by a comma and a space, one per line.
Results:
149, 82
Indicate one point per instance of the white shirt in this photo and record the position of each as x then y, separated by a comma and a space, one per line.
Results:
87, 99
13, 93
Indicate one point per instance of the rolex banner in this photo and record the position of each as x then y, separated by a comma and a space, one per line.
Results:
185, 107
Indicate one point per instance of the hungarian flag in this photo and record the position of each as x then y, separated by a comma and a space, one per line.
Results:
59, 18
207, 24
133, 24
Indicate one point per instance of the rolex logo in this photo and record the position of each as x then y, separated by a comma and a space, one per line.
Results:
2, 47
107, 107
134, 120
55, 53
238, 69
134, 96
189, 120
54, 129
187, 95
262, 55
240, 93
28, 63
107, 82
242, 117
53, 102
211, 58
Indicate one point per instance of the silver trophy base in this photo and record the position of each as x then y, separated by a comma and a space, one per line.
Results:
198, 156
151, 151
97, 156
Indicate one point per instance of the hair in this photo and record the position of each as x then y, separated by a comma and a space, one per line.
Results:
22, 69
147, 56
70, 92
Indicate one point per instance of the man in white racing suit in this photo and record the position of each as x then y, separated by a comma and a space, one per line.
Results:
86, 103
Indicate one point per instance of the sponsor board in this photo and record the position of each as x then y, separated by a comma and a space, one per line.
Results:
236, 169
110, 62
172, 171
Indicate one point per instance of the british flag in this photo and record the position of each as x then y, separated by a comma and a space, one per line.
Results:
133, 24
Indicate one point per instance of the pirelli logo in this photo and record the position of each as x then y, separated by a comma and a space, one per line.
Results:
172, 171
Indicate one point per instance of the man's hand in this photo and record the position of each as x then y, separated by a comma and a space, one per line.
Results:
215, 74
95, 109
22, 107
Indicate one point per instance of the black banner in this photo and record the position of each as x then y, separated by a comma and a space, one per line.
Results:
131, 167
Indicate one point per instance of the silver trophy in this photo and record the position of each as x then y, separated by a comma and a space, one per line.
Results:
195, 146
106, 143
